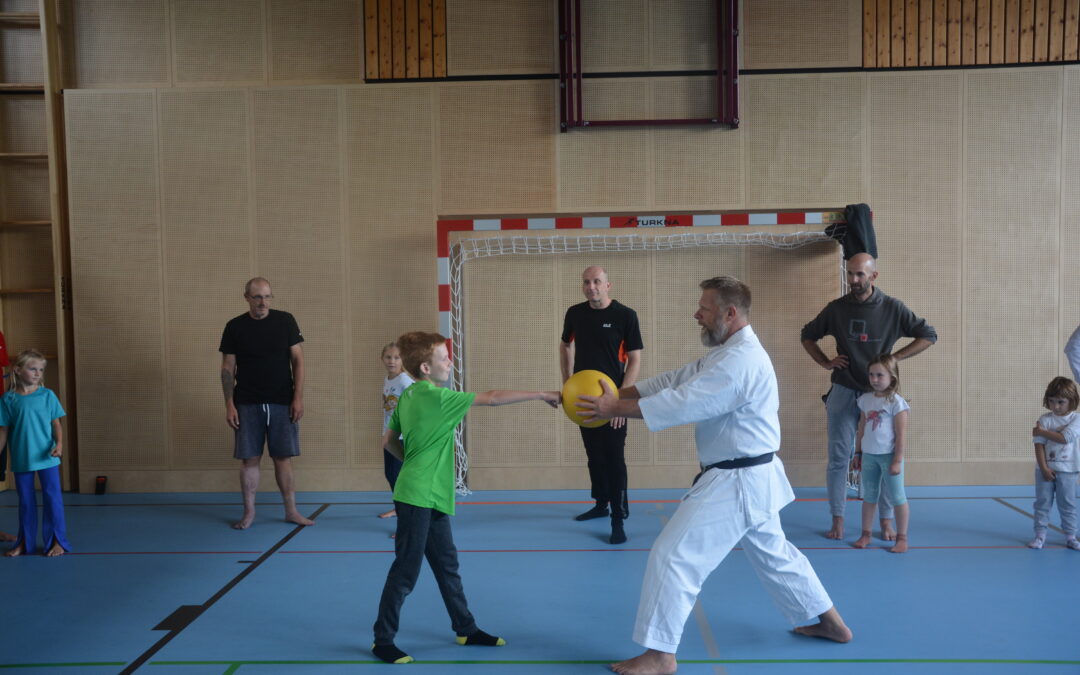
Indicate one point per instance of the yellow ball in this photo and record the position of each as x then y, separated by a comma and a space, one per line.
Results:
584, 383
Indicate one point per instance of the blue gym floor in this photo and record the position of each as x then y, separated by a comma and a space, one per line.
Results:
160, 583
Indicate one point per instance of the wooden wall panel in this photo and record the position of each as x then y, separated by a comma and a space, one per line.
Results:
406, 39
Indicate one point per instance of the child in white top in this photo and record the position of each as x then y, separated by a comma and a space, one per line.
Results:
879, 448
1057, 462
395, 384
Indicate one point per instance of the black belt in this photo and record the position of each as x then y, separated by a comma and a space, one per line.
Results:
740, 463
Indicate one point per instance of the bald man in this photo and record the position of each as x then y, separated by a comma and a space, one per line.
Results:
603, 334
865, 323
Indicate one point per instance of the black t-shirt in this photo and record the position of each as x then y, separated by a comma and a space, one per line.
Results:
602, 337
263, 363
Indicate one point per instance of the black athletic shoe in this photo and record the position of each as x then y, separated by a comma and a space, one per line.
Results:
618, 535
597, 511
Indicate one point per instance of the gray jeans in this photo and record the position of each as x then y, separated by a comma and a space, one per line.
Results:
422, 533
1062, 488
842, 411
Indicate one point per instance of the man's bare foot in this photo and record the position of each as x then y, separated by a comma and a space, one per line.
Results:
55, 550
298, 519
830, 627
4, 536
901, 544
888, 532
863, 541
245, 522
652, 662
392, 513
837, 531
14, 551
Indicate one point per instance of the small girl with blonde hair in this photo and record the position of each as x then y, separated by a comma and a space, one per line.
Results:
30, 422
1057, 464
879, 448
395, 384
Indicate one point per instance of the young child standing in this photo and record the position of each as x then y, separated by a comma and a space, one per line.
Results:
4, 363
879, 448
395, 384
30, 420
425, 419
1057, 462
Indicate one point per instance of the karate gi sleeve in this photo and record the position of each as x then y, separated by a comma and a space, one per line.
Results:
709, 394
1072, 353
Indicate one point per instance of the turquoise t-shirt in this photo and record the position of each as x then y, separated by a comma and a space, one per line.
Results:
29, 424
425, 417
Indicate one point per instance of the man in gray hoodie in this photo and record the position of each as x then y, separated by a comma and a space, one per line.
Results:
864, 323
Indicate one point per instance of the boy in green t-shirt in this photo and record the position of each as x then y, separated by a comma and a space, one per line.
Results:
425, 419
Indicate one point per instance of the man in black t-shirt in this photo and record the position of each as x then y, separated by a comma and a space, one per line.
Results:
262, 375
603, 334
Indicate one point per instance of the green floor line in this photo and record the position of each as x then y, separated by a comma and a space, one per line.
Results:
236, 664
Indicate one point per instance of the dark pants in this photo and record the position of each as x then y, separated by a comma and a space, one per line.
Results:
604, 446
422, 533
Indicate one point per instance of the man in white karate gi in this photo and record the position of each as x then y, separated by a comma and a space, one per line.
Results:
730, 396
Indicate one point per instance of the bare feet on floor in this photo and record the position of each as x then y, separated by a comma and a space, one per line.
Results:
13, 551
652, 662
829, 627
392, 513
901, 544
298, 519
863, 541
837, 531
888, 532
55, 550
245, 522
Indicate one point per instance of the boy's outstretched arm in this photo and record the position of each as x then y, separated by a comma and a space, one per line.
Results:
507, 396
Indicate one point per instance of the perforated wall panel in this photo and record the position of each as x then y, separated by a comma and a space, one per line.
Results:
390, 219
116, 279
23, 120
614, 35
496, 147
682, 34
118, 42
20, 49
315, 41
803, 139
795, 34
915, 137
299, 246
206, 242
219, 41
1069, 303
1012, 154
496, 37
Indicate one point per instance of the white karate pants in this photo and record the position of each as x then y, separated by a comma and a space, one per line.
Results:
712, 519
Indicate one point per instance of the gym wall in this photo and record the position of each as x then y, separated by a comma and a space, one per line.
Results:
209, 142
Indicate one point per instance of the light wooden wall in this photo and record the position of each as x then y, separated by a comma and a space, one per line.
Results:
182, 187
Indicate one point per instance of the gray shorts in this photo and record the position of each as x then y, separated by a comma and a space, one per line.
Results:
267, 423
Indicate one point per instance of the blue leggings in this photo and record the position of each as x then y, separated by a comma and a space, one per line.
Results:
875, 474
53, 527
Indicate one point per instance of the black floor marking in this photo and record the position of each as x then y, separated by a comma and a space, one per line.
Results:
1029, 515
185, 614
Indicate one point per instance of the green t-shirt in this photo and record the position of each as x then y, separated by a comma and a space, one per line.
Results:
425, 417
